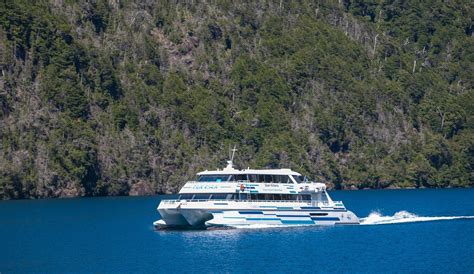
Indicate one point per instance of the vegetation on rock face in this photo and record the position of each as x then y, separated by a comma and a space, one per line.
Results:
118, 97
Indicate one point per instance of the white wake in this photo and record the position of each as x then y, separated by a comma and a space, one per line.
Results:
375, 218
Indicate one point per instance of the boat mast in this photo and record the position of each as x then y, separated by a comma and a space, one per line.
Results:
233, 152
229, 163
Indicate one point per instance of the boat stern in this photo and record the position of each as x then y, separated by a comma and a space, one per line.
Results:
349, 218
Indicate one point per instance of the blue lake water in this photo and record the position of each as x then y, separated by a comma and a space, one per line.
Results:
115, 234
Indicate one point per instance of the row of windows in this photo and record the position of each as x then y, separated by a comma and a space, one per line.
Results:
282, 179
246, 196
215, 178
204, 196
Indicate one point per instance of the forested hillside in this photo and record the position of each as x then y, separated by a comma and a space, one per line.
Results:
126, 97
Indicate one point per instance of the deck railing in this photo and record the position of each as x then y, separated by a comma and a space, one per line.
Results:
312, 203
249, 182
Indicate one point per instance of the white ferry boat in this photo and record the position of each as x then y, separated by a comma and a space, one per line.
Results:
237, 198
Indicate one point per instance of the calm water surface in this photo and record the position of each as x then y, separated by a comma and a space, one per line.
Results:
110, 235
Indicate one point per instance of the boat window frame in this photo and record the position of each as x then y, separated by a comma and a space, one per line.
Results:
217, 178
297, 179
245, 196
269, 178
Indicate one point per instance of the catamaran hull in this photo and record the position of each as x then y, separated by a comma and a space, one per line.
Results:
196, 217
171, 218
182, 214
175, 216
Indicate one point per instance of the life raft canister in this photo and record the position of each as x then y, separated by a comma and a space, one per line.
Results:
242, 187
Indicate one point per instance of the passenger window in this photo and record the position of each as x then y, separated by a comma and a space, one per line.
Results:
244, 196
253, 178
318, 214
201, 196
214, 178
185, 196
240, 177
218, 196
297, 179
282, 179
324, 198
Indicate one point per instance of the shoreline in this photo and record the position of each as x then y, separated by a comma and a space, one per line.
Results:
157, 194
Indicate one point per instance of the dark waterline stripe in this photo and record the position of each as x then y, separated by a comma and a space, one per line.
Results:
325, 219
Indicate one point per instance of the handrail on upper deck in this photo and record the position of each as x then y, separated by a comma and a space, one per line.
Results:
248, 181
239, 181
273, 201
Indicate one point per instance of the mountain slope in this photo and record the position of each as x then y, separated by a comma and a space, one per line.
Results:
124, 97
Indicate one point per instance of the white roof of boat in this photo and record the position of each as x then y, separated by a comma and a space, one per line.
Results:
283, 171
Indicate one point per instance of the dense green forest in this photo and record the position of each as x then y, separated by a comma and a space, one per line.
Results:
126, 97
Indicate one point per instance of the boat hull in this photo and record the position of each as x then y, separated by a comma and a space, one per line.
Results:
196, 217
171, 217
234, 218
243, 213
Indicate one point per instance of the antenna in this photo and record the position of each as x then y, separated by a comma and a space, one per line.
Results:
229, 163
233, 152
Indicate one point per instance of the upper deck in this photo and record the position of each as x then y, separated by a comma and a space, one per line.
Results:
251, 181
232, 171
230, 174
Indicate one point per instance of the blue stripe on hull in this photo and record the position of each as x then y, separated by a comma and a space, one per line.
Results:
323, 210
297, 222
263, 219
303, 209
250, 212
299, 216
